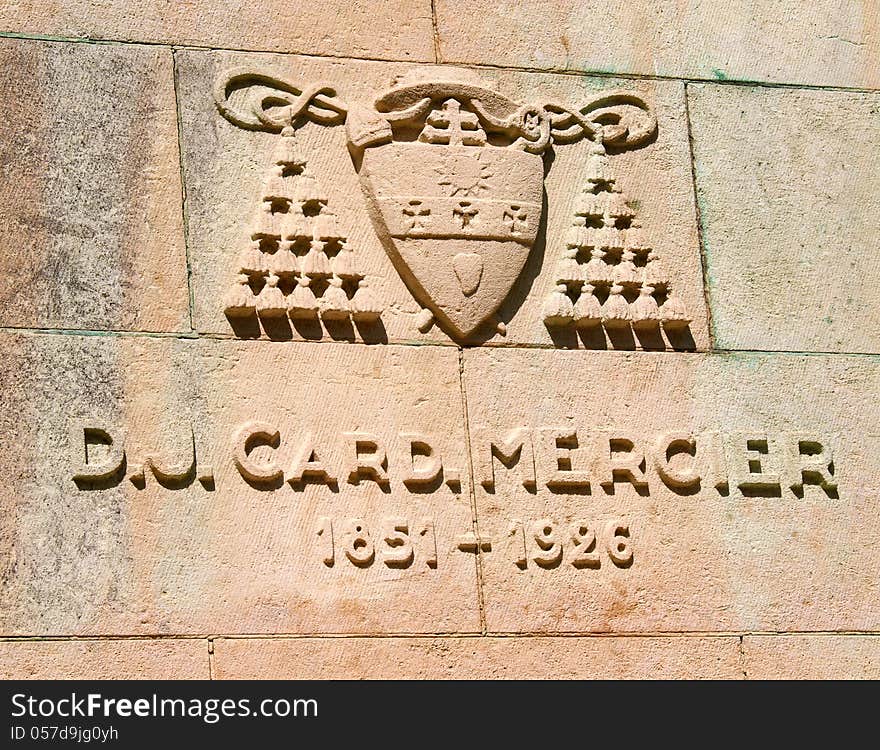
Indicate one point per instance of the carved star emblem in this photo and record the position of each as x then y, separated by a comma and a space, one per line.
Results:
464, 178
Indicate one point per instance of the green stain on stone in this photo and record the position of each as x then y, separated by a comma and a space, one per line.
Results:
719, 74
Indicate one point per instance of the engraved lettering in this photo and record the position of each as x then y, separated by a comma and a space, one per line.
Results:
249, 436
547, 550
398, 552
749, 462
548, 544
618, 544
309, 465
674, 474
807, 462
98, 453
430, 541
426, 464
325, 532
367, 458
584, 539
176, 474
517, 544
554, 458
514, 448
619, 459
392, 545
358, 545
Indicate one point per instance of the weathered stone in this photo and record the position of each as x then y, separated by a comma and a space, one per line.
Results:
478, 658
789, 192
466, 238
604, 522
836, 44
384, 29
812, 657
165, 659
348, 525
92, 229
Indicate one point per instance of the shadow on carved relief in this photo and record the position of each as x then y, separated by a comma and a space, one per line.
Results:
453, 176
612, 289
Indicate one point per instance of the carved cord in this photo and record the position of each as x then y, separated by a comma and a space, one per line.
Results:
271, 103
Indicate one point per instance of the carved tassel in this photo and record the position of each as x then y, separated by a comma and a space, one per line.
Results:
617, 207
286, 152
364, 305
334, 302
598, 168
307, 193
239, 299
270, 301
296, 225
644, 311
589, 204
574, 236
587, 310
597, 271
343, 264
625, 272
557, 309
315, 263
283, 262
324, 225
302, 303
252, 260
567, 270
674, 314
267, 224
635, 241
277, 190
615, 311
610, 240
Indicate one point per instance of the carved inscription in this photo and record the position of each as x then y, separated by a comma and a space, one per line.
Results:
567, 459
562, 458
394, 542
546, 543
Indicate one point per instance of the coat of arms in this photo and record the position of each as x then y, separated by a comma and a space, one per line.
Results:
452, 173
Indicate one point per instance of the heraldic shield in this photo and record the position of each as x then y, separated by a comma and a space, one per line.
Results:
458, 213
453, 174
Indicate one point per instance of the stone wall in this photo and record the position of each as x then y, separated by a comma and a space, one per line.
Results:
560, 360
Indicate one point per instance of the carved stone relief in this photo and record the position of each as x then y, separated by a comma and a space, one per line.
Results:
452, 174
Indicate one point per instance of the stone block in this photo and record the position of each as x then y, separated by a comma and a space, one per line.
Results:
812, 657
836, 44
478, 658
92, 227
463, 231
649, 492
173, 486
130, 659
789, 190
383, 29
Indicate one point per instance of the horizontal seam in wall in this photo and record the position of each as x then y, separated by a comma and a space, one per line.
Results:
196, 336
473, 635
592, 73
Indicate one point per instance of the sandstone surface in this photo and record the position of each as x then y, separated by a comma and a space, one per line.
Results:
91, 235
660, 496
157, 541
130, 659
836, 43
813, 657
478, 658
788, 185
